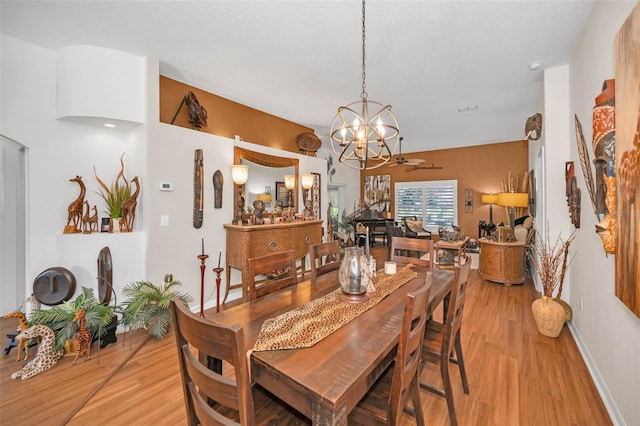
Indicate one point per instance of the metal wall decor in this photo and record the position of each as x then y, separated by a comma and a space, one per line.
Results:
197, 113
468, 200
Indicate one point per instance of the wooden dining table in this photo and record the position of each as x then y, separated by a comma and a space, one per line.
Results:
325, 381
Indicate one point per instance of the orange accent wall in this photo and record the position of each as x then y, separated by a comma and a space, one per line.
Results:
227, 118
481, 168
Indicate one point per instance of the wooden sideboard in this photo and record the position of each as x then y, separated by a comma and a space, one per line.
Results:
249, 241
502, 262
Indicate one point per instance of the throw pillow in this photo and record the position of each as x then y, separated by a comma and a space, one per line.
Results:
528, 222
414, 225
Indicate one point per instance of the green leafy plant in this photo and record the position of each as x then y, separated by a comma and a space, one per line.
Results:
60, 317
148, 305
117, 193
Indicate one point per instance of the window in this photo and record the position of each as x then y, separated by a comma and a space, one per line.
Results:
433, 201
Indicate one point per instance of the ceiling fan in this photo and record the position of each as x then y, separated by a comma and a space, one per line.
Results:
418, 167
401, 161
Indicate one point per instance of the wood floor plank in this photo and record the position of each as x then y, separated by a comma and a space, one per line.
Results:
517, 377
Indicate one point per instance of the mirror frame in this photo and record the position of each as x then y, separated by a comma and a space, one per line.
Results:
266, 160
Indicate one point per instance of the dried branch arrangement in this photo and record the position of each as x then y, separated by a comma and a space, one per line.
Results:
550, 261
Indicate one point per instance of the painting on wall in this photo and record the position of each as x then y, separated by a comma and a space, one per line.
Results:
627, 162
377, 195
314, 196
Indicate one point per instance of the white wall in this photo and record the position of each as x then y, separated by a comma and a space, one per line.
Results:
606, 331
343, 175
58, 151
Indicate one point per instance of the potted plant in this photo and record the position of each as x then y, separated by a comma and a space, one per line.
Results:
148, 305
60, 317
550, 263
114, 196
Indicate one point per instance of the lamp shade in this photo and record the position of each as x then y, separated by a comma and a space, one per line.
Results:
513, 199
290, 181
265, 198
239, 174
307, 181
489, 198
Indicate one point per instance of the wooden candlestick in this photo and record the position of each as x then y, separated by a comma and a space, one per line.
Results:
203, 258
218, 271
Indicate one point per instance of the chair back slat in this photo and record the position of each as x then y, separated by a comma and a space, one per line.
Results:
403, 248
198, 338
330, 251
282, 265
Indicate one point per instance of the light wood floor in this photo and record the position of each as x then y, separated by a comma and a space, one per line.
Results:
516, 376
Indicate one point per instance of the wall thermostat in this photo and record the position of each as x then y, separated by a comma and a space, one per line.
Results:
166, 186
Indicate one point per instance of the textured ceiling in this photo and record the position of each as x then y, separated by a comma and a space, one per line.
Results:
300, 60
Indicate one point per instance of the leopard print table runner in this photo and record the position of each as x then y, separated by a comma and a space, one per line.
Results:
305, 326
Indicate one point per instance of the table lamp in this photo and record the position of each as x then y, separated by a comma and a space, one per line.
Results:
307, 183
490, 199
513, 200
239, 175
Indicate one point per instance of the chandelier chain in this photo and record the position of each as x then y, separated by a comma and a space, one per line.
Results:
363, 95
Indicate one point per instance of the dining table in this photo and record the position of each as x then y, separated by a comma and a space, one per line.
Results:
324, 382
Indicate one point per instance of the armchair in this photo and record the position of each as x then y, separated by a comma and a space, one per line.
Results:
413, 228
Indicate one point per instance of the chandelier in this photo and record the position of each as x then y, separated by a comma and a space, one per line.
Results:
362, 131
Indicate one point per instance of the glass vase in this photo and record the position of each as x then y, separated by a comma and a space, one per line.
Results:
354, 275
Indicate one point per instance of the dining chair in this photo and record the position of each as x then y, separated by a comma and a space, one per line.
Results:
385, 401
279, 268
403, 247
210, 398
331, 253
441, 340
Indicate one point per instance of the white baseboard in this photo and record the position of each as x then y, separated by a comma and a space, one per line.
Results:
607, 398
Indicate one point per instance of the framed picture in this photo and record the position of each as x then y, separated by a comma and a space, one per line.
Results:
377, 195
315, 196
284, 195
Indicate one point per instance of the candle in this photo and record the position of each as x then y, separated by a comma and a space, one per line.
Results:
203, 246
366, 243
219, 257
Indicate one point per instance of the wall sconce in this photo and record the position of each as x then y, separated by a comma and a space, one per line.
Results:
290, 184
239, 175
513, 200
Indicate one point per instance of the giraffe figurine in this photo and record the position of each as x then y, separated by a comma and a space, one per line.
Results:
22, 326
129, 208
86, 217
46, 357
93, 220
83, 337
74, 218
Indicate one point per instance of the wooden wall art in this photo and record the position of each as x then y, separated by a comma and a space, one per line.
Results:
218, 181
198, 196
572, 193
627, 162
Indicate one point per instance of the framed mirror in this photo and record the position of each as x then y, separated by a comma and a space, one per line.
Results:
266, 160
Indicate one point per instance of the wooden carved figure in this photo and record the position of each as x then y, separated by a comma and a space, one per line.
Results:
83, 337
93, 220
46, 357
129, 208
85, 218
22, 326
74, 218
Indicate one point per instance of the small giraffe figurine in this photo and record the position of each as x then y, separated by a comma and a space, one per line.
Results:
46, 357
83, 337
22, 326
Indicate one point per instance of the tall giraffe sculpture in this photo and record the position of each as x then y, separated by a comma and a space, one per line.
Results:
129, 208
46, 357
74, 218
83, 337
22, 326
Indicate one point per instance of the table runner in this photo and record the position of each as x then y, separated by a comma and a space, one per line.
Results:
305, 326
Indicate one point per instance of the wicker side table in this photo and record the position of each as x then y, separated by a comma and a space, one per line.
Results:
502, 262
